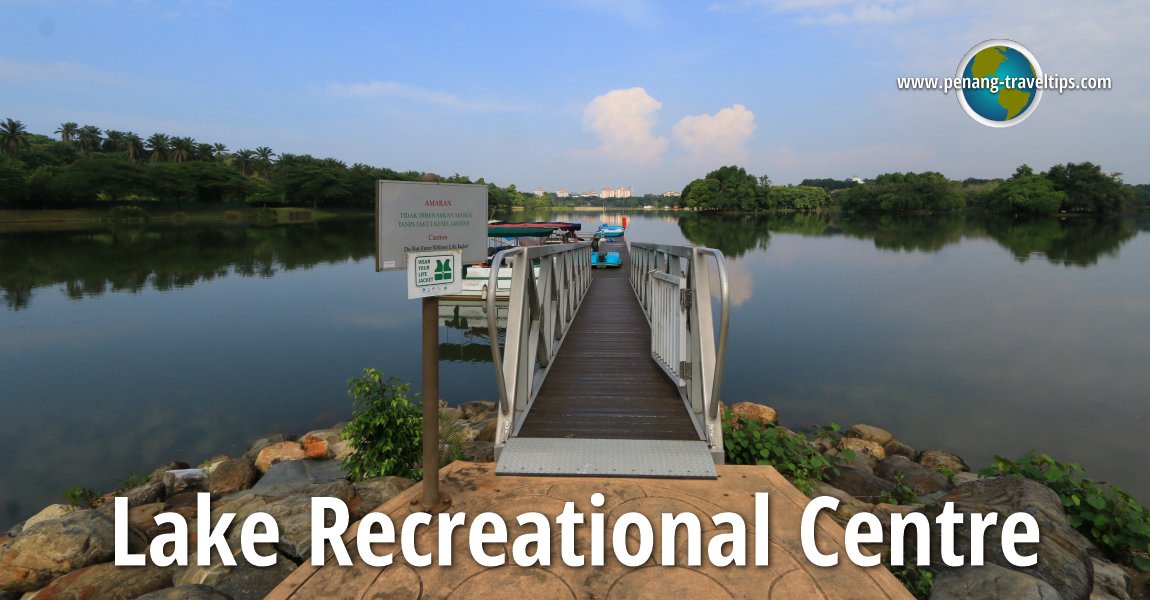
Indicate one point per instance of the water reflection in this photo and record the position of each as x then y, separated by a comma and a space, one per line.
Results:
93, 263
1076, 241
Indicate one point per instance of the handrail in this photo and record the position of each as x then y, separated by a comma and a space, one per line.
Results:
543, 307
656, 270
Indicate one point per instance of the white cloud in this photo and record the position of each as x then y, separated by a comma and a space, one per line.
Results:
623, 121
718, 138
403, 91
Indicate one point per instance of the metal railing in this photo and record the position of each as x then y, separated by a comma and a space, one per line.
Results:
674, 287
541, 307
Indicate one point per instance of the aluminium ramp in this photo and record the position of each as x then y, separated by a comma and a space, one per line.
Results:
685, 459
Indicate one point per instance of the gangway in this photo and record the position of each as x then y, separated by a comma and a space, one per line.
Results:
614, 372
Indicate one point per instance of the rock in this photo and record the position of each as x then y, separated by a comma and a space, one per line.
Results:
258, 445
861, 461
476, 451
210, 465
755, 412
186, 592
316, 448
342, 449
1063, 560
293, 516
915, 476
861, 446
184, 480
52, 511
869, 433
451, 412
989, 582
57, 547
277, 453
849, 506
241, 582
897, 448
149, 493
933, 459
471, 410
287, 478
231, 476
158, 474
487, 434
965, 477
372, 493
1110, 581
107, 582
860, 484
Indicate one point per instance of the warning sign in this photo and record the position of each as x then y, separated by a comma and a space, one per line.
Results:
436, 273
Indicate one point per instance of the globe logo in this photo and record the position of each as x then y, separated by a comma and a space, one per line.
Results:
999, 83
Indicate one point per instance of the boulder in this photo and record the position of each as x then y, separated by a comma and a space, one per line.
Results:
317, 448
258, 445
869, 433
149, 493
107, 582
52, 511
849, 506
487, 434
471, 410
277, 453
293, 516
860, 484
476, 451
241, 582
915, 476
341, 450
56, 547
897, 448
184, 480
1110, 581
157, 475
372, 493
861, 446
755, 412
1063, 559
934, 459
299, 476
186, 592
231, 476
989, 582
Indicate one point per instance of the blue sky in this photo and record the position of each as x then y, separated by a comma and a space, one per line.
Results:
583, 94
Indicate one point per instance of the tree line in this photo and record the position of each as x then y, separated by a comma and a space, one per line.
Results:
85, 166
1071, 187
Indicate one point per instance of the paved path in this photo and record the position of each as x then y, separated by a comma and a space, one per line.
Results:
474, 489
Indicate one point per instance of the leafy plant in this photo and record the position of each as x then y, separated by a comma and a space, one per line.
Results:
385, 430
1107, 515
748, 442
917, 580
79, 497
452, 435
946, 471
901, 494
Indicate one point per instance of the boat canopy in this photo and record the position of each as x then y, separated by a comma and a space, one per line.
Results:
529, 229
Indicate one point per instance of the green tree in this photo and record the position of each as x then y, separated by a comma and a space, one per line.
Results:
219, 151
1026, 194
243, 160
799, 197
182, 149
1088, 189
158, 147
905, 192
68, 131
264, 156
12, 185
133, 146
13, 136
89, 138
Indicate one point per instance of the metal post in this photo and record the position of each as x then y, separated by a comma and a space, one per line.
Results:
433, 501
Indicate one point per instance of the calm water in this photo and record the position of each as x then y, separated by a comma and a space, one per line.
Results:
122, 349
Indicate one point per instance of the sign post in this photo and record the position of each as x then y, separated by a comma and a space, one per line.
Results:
430, 229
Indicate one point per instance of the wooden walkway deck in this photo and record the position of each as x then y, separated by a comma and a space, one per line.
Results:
604, 383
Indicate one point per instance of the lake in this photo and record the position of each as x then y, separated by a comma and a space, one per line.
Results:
124, 348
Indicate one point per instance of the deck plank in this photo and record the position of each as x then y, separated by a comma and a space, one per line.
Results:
604, 383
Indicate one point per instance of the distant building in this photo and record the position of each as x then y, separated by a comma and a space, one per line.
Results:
857, 179
672, 194
619, 192
539, 192
561, 193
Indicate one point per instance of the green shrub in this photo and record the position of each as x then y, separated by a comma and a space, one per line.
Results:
748, 442
385, 429
1114, 521
126, 215
917, 580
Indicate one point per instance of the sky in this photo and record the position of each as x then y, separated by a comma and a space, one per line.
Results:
584, 94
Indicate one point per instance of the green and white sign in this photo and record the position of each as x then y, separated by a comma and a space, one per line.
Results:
414, 216
435, 273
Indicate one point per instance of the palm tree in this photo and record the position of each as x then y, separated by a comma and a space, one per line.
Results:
89, 137
182, 148
219, 150
264, 155
13, 135
205, 152
114, 140
244, 159
158, 146
134, 145
67, 131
